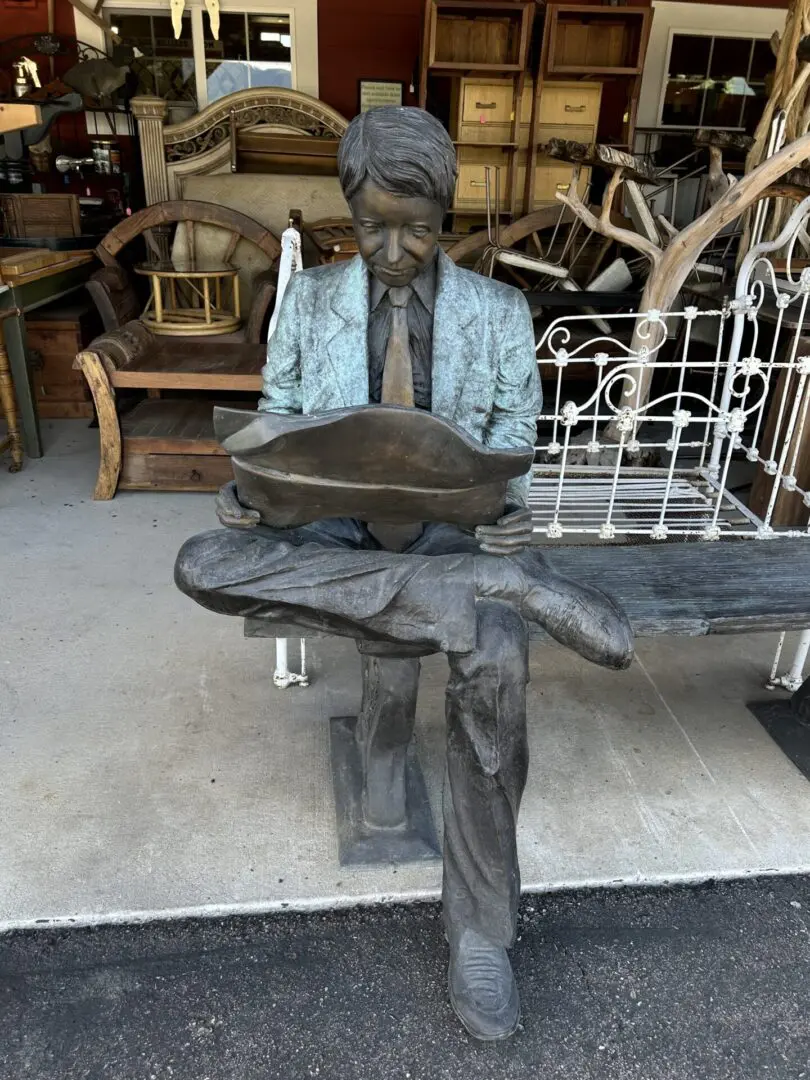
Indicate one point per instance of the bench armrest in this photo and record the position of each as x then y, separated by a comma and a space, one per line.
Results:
264, 291
118, 348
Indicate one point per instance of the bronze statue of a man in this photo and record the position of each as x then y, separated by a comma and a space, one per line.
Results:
401, 324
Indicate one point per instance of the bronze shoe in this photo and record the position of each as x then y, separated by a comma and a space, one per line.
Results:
483, 991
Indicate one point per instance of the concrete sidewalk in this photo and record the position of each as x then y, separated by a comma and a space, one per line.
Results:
150, 767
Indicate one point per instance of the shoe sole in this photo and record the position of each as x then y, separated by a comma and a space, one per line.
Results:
477, 1034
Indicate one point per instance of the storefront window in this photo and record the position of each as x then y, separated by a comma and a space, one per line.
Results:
716, 82
252, 50
166, 66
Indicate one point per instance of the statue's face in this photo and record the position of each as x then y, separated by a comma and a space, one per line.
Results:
397, 236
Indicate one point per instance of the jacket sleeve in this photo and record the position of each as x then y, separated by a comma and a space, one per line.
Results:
281, 375
518, 395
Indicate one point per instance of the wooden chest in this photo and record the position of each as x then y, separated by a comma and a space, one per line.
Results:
56, 333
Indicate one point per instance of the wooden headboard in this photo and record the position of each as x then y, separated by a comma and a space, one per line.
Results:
210, 141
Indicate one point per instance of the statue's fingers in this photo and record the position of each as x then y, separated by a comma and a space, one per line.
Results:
516, 517
521, 528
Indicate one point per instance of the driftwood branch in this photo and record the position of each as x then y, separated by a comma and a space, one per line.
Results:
603, 223
671, 267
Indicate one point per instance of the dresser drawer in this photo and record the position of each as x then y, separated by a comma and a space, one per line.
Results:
485, 133
471, 182
549, 179
572, 132
569, 103
486, 101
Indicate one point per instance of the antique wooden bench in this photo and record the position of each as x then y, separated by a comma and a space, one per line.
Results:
165, 443
683, 589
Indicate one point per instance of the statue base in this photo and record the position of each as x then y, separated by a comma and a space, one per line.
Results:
362, 844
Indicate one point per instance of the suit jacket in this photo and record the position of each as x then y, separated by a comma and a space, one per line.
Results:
484, 378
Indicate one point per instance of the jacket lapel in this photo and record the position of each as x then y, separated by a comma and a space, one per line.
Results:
454, 346
345, 333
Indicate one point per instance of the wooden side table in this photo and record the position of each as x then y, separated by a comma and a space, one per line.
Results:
212, 289
8, 404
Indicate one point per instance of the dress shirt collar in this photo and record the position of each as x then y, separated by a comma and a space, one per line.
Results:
424, 285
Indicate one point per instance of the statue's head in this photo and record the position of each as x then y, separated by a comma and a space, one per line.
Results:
397, 168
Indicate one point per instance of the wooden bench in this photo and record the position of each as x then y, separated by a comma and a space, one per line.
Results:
688, 589
164, 443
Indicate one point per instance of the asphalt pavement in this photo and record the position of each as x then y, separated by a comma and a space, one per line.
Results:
709, 982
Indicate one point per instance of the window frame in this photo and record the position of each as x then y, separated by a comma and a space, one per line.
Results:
712, 35
678, 17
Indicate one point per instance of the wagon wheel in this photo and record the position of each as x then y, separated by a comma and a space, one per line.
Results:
186, 214
159, 224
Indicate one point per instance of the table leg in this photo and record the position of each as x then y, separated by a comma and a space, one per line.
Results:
173, 291
156, 292
237, 310
207, 297
218, 293
8, 405
16, 348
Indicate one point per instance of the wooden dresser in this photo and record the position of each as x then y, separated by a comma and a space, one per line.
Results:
482, 124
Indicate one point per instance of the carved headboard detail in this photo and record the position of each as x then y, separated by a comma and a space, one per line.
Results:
202, 145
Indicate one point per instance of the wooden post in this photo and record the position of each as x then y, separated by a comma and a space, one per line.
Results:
151, 113
8, 404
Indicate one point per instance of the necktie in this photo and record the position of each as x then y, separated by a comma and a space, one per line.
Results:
397, 384
397, 389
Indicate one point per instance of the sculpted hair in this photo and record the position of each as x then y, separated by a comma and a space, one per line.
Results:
403, 150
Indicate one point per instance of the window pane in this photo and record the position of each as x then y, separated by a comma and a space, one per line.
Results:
730, 57
729, 71
225, 78
270, 39
763, 61
231, 44
166, 67
251, 52
689, 55
686, 79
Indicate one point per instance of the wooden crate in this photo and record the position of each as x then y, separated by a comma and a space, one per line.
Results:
40, 215
55, 334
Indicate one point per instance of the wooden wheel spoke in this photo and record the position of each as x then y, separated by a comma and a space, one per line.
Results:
231, 248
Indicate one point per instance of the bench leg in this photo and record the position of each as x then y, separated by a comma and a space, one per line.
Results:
109, 427
384, 730
382, 809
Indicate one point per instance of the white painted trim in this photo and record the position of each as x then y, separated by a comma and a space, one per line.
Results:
198, 45
670, 17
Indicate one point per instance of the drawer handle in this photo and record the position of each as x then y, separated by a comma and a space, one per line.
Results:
486, 104
575, 108
563, 187
478, 183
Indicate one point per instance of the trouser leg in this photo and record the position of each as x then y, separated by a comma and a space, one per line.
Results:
487, 763
422, 600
